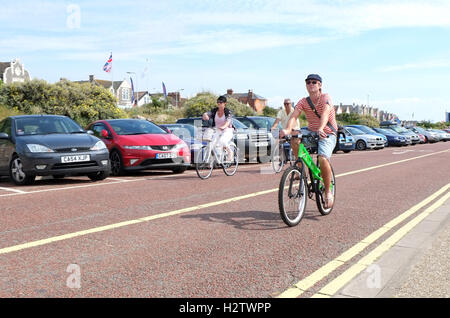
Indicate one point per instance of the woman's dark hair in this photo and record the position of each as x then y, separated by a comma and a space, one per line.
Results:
222, 99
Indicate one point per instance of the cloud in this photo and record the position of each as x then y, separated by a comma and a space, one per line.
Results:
414, 66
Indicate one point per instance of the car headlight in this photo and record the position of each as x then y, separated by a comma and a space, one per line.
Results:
138, 147
38, 148
100, 145
179, 146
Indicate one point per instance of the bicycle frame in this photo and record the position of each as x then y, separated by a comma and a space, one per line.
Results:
305, 157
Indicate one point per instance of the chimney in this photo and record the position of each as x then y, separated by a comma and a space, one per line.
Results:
91, 78
250, 94
229, 91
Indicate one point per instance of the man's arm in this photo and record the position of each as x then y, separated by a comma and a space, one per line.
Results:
291, 122
275, 124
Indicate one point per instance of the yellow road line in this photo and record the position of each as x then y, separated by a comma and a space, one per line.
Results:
306, 283
148, 218
331, 288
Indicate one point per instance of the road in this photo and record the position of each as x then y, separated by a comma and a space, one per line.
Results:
156, 234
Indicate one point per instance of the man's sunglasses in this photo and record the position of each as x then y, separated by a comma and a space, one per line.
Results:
309, 82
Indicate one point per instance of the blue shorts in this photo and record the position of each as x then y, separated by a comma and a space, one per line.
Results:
326, 146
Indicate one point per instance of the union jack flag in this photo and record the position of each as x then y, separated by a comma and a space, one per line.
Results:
108, 65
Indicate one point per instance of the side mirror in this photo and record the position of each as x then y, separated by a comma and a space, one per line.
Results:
4, 136
105, 134
90, 132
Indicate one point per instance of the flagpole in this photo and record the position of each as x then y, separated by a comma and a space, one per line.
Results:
112, 78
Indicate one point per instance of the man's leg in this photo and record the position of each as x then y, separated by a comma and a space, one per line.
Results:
326, 146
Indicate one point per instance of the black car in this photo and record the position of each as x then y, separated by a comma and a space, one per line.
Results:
252, 144
41, 145
394, 139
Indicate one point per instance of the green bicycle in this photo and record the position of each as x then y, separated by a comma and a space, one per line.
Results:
295, 187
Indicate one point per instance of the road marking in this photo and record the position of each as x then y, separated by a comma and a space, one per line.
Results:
306, 283
12, 190
334, 286
148, 218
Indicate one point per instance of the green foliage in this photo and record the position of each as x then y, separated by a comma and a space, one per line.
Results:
355, 119
205, 101
6, 112
83, 103
427, 124
270, 112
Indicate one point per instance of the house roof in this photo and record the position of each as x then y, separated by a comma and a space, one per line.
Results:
105, 84
245, 95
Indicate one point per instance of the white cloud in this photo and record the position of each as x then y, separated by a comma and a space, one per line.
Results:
419, 65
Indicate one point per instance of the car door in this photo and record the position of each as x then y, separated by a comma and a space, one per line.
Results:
6, 145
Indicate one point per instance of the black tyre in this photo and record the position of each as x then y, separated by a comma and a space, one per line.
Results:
361, 145
179, 170
347, 151
204, 163
58, 176
98, 176
230, 167
292, 196
278, 158
116, 163
321, 193
18, 176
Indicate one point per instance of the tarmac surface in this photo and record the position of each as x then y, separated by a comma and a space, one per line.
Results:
418, 266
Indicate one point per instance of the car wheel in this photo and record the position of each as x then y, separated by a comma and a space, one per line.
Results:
16, 172
179, 170
58, 176
116, 163
98, 176
360, 145
347, 151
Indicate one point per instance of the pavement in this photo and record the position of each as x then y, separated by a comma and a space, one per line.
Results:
417, 266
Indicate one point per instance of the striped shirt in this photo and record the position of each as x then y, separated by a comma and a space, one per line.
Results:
311, 117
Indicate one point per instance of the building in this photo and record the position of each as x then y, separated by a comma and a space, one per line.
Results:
120, 89
13, 71
143, 98
256, 102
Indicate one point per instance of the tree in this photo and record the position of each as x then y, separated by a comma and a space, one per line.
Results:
270, 112
205, 101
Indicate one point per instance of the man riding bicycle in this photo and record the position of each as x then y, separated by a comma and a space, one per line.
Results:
222, 119
283, 116
321, 118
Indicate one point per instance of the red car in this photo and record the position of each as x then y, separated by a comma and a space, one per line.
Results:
136, 144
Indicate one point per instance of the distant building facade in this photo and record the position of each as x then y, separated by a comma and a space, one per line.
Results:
13, 71
256, 102
120, 89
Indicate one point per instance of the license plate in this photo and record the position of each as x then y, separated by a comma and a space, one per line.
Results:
261, 144
77, 158
348, 144
168, 155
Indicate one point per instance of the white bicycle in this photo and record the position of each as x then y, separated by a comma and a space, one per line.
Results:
210, 155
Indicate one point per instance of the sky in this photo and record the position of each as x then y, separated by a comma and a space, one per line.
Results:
391, 55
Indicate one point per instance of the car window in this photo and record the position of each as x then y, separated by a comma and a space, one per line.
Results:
5, 126
355, 131
98, 128
135, 127
44, 125
247, 122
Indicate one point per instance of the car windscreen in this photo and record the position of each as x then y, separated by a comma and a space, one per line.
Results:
46, 125
387, 132
263, 123
135, 127
398, 129
183, 132
420, 130
238, 124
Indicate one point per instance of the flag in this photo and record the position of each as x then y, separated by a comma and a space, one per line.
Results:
108, 65
164, 90
133, 100
397, 120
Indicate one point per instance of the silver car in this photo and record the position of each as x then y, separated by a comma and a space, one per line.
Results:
430, 136
365, 141
443, 135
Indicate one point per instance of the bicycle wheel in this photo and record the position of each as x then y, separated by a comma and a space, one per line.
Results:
204, 163
320, 192
230, 167
292, 196
278, 157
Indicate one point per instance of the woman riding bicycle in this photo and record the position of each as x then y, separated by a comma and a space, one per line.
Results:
321, 118
222, 120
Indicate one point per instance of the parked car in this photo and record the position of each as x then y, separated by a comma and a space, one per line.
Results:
364, 141
345, 141
430, 136
188, 134
401, 130
394, 139
258, 122
443, 135
136, 144
252, 144
370, 131
42, 145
